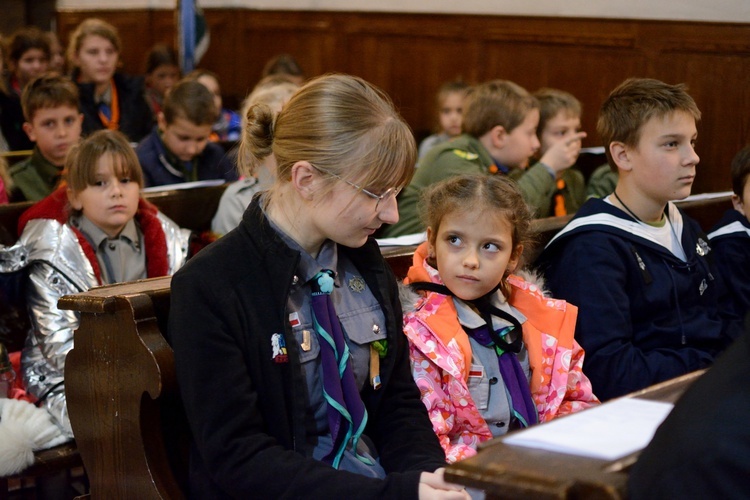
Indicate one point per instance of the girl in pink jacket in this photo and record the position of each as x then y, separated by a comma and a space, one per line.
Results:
489, 351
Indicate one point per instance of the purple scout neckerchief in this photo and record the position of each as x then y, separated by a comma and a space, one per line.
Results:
347, 415
522, 404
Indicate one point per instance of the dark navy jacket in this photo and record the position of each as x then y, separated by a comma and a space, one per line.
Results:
136, 119
213, 163
644, 315
730, 239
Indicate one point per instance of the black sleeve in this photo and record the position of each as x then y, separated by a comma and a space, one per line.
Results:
221, 390
404, 431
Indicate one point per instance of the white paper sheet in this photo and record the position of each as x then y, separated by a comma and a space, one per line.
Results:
402, 241
184, 185
610, 431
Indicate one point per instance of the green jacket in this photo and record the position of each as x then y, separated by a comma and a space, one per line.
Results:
602, 182
34, 178
539, 188
466, 155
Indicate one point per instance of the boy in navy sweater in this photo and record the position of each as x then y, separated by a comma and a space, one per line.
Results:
637, 267
730, 239
178, 150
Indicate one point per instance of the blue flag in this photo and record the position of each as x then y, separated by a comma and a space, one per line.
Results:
193, 35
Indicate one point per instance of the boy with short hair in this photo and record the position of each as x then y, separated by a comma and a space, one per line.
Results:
53, 123
559, 121
499, 123
730, 238
638, 269
28, 55
178, 149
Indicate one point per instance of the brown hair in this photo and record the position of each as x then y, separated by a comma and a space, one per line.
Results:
88, 27
48, 91
740, 171
446, 89
552, 102
199, 72
339, 123
634, 102
160, 54
282, 64
499, 102
475, 193
25, 39
192, 101
82, 159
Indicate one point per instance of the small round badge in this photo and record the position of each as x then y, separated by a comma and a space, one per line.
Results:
357, 284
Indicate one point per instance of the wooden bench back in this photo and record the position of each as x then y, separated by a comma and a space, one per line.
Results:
120, 384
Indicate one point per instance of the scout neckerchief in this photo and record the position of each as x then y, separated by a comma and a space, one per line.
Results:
109, 114
523, 409
559, 198
347, 415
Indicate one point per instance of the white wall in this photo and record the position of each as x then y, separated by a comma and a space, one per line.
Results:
737, 11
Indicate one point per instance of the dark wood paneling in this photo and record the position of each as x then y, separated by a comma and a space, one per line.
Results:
411, 55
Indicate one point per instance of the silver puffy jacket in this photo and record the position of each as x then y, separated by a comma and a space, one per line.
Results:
58, 267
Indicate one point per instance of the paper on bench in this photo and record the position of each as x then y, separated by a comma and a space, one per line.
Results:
610, 431
708, 196
406, 240
184, 185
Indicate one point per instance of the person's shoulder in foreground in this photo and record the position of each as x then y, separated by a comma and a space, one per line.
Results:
702, 449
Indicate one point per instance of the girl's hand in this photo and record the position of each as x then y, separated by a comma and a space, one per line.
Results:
432, 485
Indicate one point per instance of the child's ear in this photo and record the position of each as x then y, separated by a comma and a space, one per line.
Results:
74, 200
430, 243
621, 155
29, 129
514, 259
499, 136
304, 179
161, 121
738, 204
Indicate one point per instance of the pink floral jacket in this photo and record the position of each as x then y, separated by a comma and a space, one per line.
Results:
441, 356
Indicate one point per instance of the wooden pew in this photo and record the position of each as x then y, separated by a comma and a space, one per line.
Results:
122, 390
505, 471
121, 383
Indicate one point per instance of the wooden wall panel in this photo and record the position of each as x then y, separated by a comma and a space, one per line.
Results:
411, 55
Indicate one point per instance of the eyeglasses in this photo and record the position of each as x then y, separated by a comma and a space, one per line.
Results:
394, 191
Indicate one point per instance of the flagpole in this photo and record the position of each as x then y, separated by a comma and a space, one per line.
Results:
186, 34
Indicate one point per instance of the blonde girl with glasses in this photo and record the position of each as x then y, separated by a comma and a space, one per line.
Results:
244, 310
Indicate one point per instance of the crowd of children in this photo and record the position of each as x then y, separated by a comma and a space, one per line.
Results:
393, 389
